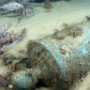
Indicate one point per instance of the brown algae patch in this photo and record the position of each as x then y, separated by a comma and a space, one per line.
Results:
68, 30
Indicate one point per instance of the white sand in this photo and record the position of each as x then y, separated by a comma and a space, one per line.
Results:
44, 23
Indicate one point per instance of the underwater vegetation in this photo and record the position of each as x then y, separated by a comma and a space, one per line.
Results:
56, 71
44, 65
72, 30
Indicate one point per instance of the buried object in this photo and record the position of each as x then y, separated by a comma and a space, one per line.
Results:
58, 72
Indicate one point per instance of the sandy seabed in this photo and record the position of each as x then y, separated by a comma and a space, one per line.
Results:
43, 23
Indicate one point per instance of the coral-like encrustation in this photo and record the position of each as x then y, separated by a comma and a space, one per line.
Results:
7, 38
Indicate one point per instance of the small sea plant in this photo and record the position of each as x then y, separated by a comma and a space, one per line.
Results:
72, 30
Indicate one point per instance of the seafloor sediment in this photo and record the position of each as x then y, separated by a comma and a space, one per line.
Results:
41, 24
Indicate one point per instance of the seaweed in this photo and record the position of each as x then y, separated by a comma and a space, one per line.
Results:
68, 30
73, 30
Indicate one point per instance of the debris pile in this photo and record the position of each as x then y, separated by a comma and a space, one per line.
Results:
58, 71
46, 64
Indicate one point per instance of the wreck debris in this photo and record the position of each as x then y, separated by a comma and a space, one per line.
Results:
7, 38
56, 70
48, 76
73, 29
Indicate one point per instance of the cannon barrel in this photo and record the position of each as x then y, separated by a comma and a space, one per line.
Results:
57, 71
